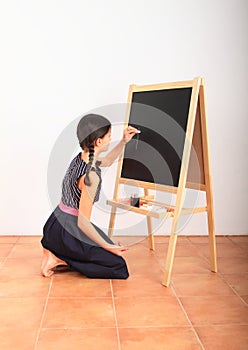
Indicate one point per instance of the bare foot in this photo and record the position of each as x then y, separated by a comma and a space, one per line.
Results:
49, 262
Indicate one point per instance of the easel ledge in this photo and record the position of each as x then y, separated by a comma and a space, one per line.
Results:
159, 211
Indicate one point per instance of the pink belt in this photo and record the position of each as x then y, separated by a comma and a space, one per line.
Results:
67, 209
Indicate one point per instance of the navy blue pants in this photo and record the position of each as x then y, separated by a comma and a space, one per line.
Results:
64, 239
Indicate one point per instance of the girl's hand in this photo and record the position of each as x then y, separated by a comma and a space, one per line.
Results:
129, 132
116, 249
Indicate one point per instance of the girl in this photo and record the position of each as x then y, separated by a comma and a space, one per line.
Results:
69, 238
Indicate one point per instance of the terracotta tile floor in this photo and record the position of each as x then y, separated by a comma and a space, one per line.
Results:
200, 309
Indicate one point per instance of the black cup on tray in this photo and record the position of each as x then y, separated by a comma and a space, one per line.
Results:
135, 201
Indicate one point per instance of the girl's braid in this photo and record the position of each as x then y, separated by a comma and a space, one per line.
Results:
89, 165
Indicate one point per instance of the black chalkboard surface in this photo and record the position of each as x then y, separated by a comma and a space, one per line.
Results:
155, 154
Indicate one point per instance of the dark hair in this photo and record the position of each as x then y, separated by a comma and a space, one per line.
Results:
90, 128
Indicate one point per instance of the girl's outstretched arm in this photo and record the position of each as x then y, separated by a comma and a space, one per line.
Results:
85, 209
109, 159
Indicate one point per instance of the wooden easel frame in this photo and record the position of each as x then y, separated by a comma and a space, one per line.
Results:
196, 133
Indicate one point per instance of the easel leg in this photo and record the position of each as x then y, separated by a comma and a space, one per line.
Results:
211, 231
208, 179
212, 244
150, 233
169, 259
112, 222
149, 226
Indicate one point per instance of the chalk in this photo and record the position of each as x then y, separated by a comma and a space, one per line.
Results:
138, 131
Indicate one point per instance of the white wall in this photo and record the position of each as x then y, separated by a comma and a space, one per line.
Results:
60, 59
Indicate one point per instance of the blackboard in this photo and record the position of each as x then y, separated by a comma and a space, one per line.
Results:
155, 154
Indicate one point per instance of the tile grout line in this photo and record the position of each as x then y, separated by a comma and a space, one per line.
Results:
43, 313
190, 243
220, 274
186, 315
200, 254
115, 315
222, 277
6, 257
238, 245
138, 326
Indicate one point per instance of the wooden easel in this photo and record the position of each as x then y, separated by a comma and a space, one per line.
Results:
196, 134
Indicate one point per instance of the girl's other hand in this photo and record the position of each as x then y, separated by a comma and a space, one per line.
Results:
116, 249
129, 132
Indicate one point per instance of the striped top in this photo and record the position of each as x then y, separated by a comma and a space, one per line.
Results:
70, 192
